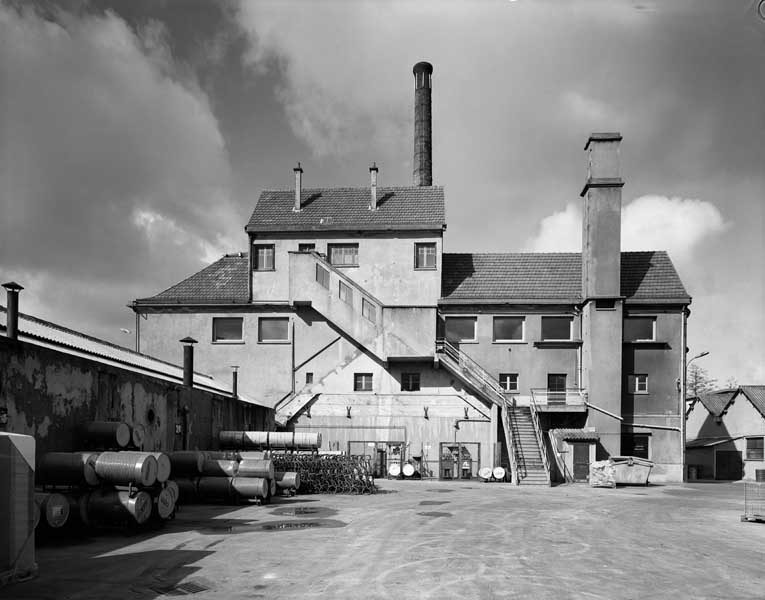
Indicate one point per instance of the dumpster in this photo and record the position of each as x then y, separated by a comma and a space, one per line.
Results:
631, 470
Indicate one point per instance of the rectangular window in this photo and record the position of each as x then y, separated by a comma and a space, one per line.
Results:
640, 329
425, 256
460, 329
636, 444
345, 293
306, 247
322, 276
227, 329
263, 257
309, 377
508, 329
508, 382
637, 384
362, 382
556, 388
755, 448
368, 310
410, 382
344, 255
273, 329
557, 328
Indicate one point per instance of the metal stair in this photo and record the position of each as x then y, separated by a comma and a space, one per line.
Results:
530, 456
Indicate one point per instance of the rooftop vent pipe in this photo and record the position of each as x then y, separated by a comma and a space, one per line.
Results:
423, 145
188, 361
12, 316
298, 186
373, 177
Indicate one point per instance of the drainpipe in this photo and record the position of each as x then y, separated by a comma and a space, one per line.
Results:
12, 316
682, 391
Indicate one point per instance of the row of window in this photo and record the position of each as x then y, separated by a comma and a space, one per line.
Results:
270, 329
513, 329
340, 255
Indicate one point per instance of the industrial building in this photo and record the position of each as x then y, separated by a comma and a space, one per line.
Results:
345, 314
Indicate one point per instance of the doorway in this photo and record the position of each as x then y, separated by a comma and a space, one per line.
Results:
728, 465
459, 460
581, 461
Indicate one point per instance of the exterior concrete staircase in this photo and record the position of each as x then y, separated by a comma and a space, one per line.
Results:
530, 454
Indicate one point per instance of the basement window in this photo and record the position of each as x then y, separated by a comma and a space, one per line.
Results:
425, 256
263, 257
640, 329
410, 382
362, 382
557, 328
273, 330
508, 382
344, 255
227, 329
755, 448
460, 329
508, 329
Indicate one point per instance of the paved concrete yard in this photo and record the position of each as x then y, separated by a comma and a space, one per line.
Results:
425, 539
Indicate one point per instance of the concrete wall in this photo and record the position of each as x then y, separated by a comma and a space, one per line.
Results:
386, 266
48, 394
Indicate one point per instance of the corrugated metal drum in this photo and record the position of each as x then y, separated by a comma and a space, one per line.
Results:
186, 462
54, 509
307, 440
281, 439
164, 503
172, 487
256, 468
254, 439
250, 487
124, 468
116, 505
164, 466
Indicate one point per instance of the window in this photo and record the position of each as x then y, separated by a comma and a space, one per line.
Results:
322, 276
557, 328
640, 329
344, 255
306, 247
273, 329
368, 310
755, 449
636, 444
508, 382
410, 382
362, 382
227, 329
345, 292
263, 257
508, 329
556, 388
637, 384
308, 378
460, 329
425, 256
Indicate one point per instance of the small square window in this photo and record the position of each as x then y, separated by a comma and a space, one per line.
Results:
344, 255
640, 329
227, 329
345, 293
638, 384
425, 256
755, 448
508, 329
368, 310
263, 257
557, 328
460, 329
273, 329
306, 247
410, 382
362, 382
322, 276
308, 378
508, 382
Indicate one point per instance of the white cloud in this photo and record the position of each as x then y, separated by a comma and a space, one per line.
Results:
594, 112
559, 232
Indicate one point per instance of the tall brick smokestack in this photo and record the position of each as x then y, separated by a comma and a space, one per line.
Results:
423, 141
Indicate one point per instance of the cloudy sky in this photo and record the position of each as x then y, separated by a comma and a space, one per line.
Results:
135, 137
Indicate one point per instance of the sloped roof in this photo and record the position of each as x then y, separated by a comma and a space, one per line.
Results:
342, 209
576, 435
222, 282
756, 395
707, 442
553, 276
51, 335
716, 402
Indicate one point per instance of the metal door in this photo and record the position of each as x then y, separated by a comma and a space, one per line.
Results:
581, 462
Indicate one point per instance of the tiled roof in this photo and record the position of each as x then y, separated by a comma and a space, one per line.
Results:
553, 276
716, 402
576, 435
223, 282
756, 395
342, 209
50, 335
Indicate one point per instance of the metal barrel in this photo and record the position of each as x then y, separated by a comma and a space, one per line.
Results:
186, 462
172, 487
187, 489
281, 439
287, 480
220, 468
106, 434
221, 455
231, 439
499, 473
485, 473
54, 509
250, 487
408, 470
138, 435
214, 487
164, 466
272, 487
253, 454
67, 468
307, 440
164, 503
124, 468
256, 468
115, 505
254, 439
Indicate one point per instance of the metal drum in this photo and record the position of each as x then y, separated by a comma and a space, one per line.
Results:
254, 439
250, 487
281, 439
187, 489
54, 509
499, 473
307, 440
164, 466
124, 468
272, 487
172, 487
394, 470
220, 468
164, 503
287, 480
68, 468
106, 434
138, 435
116, 506
214, 487
408, 470
253, 455
221, 455
187, 462
231, 439
256, 468
485, 473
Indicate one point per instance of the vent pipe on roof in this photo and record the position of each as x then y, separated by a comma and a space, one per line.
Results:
234, 381
298, 186
373, 183
188, 361
423, 144
12, 316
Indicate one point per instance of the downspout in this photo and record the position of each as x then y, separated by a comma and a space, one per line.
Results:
682, 387
293, 357
137, 331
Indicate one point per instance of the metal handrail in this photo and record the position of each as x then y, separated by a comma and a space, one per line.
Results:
472, 368
540, 439
510, 443
580, 394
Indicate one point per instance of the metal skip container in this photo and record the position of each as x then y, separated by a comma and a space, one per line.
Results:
631, 470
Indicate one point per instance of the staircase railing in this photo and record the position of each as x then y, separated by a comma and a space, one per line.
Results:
509, 439
540, 439
479, 377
